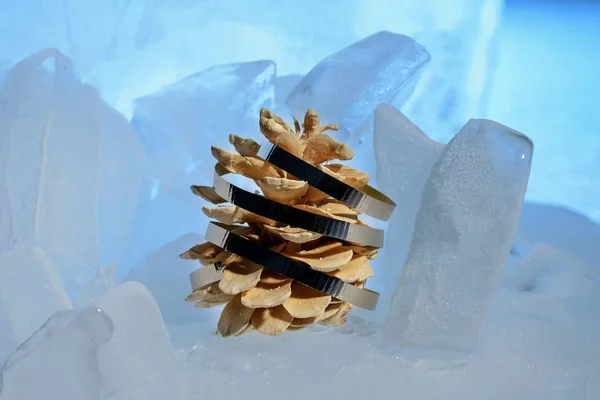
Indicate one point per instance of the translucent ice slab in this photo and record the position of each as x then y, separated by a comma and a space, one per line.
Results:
470, 208
30, 292
63, 153
139, 352
60, 360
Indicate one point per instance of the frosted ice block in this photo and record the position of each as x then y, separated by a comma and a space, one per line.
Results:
60, 360
464, 230
139, 352
30, 292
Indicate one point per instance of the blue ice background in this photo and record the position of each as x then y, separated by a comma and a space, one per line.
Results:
548, 86
546, 83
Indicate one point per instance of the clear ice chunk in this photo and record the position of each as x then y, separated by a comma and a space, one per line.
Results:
139, 352
63, 153
405, 156
60, 360
98, 31
30, 292
346, 86
283, 87
6, 222
162, 220
167, 278
3, 70
50, 148
104, 281
35, 31
119, 192
463, 234
461, 37
91, 34
135, 47
179, 123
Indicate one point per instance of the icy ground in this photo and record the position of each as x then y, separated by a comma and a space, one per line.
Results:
482, 296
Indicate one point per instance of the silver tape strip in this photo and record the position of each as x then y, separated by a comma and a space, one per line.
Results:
257, 204
206, 276
220, 235
367, 200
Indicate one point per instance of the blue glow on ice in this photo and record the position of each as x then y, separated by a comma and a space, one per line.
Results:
155, 189
183, 74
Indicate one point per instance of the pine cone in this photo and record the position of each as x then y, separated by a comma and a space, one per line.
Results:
255, 297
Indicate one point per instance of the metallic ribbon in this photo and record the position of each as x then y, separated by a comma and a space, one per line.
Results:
206, 276
367, 200
257, 204
222, 236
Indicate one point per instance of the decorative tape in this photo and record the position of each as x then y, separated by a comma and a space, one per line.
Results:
257, 204
367, 200
206, 276
222, 236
